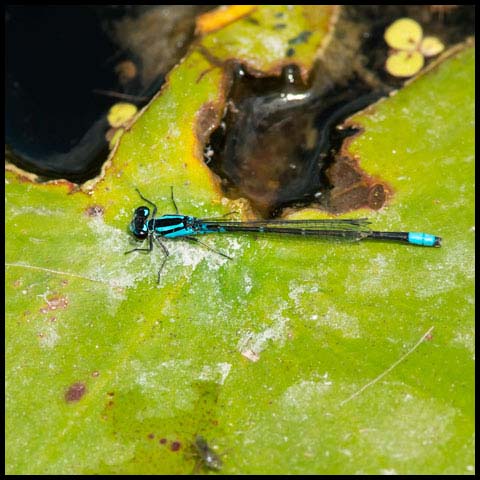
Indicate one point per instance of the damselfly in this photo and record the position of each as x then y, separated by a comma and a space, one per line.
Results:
149, 227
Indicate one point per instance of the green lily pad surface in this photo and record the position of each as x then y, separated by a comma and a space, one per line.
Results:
298, 356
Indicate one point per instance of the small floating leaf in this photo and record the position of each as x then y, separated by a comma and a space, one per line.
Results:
431, 46
115, 137
404, 34
404, 64
121, 113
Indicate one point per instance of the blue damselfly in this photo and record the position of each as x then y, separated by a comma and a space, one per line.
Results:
146, 226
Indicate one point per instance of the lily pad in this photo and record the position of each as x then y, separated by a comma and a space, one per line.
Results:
296, 357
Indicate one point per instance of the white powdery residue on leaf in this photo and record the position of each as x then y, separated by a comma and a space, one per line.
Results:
217, 373
251, 344
274, 45
183, 254
234, 245
168, 386
338, 320
151, 375
48, 337
458, 265
109, 264
173, 131
251, 355
248, 283
42, 211
304, 396
419, 428
296, 291
381, 271
118, 452
466, 337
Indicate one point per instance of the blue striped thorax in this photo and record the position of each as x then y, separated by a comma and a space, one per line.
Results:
166, 226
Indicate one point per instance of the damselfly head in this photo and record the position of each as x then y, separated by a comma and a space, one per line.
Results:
139, 224
141, 212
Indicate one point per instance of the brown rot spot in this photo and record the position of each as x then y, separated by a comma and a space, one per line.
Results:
17, 283
207, 121
95, 211
175, 446
111, 394
151, 436
54, 302
75, 392
376, 197
163, 441
353, 188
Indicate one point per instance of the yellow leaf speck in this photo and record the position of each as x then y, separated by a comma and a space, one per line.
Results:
121, 113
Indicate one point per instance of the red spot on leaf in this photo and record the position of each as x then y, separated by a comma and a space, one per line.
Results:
175, 446
75, 392
95, 211
54, 302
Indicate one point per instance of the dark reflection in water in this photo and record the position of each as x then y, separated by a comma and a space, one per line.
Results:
67, 65
275, 148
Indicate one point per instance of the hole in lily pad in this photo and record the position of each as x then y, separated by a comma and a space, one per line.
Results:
279, 137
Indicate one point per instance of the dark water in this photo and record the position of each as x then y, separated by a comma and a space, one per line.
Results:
279, 137
59, 62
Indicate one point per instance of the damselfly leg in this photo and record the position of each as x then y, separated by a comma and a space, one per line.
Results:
165, 256
149, 249
173, 200
149, 201
196, 240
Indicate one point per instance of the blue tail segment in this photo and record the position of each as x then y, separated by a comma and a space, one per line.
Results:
424, 239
